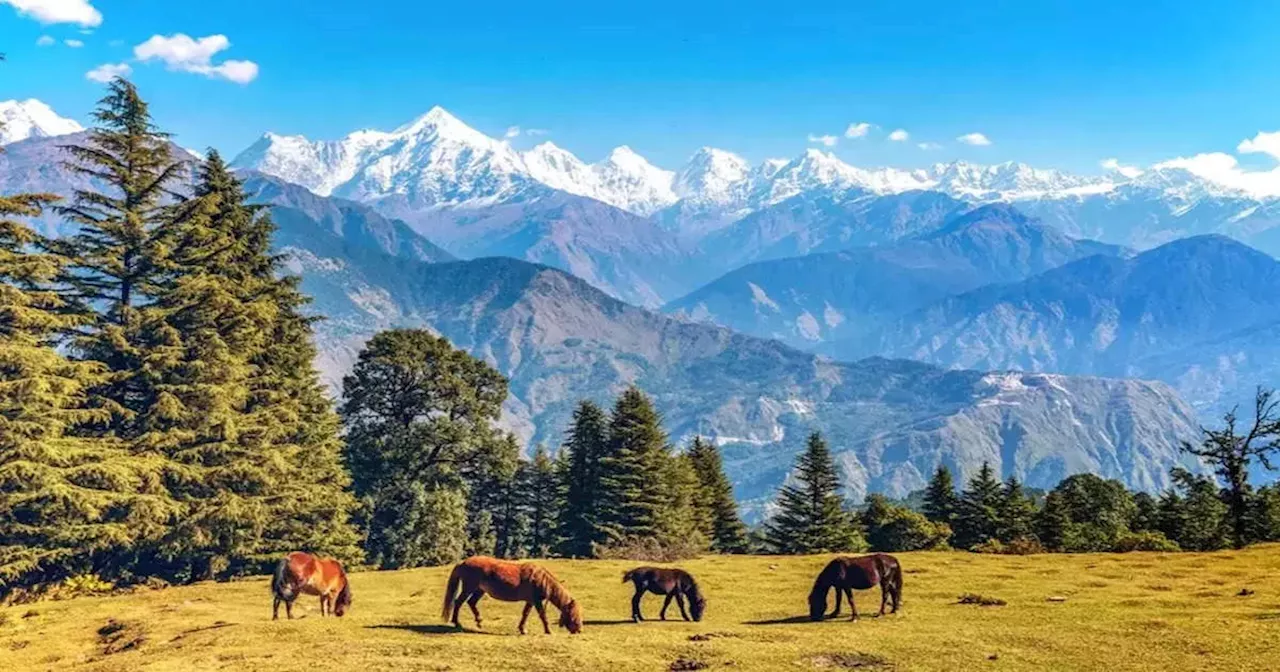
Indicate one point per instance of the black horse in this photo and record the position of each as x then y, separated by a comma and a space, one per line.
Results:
674, 583
847, 574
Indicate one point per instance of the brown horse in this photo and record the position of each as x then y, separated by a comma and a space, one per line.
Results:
302, 573
674, 583
847, 574
524, 582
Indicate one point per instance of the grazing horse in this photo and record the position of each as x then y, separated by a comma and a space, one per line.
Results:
847, 574
302, 573
524, 582
674, 583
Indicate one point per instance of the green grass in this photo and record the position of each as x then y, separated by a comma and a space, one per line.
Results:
1121, 612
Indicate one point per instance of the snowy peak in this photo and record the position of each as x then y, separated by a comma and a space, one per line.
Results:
32, 118
714, 176
628, 180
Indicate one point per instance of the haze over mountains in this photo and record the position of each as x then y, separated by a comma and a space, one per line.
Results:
526, 258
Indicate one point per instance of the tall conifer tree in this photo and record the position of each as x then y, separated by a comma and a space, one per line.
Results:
579, 520
811, 516
633, 499
717, 511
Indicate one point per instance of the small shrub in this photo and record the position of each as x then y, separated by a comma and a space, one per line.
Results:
647, 549
1145, 541
1021, 546
83, 584
683, 664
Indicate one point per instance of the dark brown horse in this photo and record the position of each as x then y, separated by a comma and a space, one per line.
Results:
674, 583
302, 573
524, 582
847, 574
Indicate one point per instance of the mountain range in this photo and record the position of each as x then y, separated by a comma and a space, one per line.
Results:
559, 339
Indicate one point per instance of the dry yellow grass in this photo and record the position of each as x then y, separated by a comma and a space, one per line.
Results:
1121, 612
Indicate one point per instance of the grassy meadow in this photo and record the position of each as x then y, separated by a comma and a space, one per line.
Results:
1139, 611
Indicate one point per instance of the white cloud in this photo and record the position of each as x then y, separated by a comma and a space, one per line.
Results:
74, 44
45, 41
79, 12
1262, 143
512, 132
824, 140
1224, 170
182, 53
1115, 166
856, 130
929, 146
108, 71
536, 131
899, 135
975, 139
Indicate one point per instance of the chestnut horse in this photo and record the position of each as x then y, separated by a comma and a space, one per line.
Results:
674, 583
524, 582
847, 574
302, 573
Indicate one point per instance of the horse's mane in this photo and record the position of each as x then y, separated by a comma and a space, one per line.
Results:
550, 586
694, 591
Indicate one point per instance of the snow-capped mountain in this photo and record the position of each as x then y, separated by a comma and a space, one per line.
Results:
624, 179
31, 118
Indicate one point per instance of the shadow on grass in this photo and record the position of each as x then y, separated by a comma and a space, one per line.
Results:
431, 629
781, 621
607, 622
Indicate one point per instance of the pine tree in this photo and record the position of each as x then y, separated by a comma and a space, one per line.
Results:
678, 525
977, 517
68, 504
717, 511
811, 516
542, 500
124, 235
579, 521
1015, 513
633, 500
940, 497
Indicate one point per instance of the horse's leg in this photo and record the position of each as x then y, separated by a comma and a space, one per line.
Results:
275, 609
457, 606
665, 603
852, 607
475, 597
635, 605
288, 609
542, 613
839, 597
323, 600
528, 606
680, 603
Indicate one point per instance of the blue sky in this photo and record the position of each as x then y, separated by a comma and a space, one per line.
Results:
1053, 83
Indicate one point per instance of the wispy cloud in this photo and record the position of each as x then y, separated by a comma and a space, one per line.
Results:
975, 139
108, 71
182, 53
536, 131
45, 41
929, 146
856, 130
512, 132
824, 140
1115, 166
81, 12
899, 135
1225, 170
74, 44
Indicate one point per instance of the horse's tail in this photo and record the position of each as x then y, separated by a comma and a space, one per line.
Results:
628, 575
451, 592
281, 587
893, 575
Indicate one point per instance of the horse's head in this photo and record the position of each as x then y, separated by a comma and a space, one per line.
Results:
818, 602
697, 605
571, 617
343, 600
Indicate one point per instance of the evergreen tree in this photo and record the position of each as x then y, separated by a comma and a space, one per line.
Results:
1015, 513
679, 524
68, 504
542, 500
1146, 517
717, 511
1086, 513
580, 523
891, 528
420, 419
496, 521
125, 231
635, 474
811, 516
940, 501
977, 517
1197, 519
